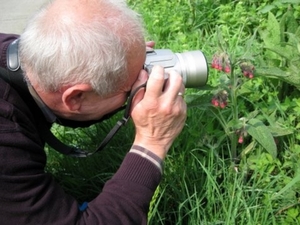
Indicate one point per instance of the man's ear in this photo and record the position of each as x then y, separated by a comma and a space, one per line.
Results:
74, 96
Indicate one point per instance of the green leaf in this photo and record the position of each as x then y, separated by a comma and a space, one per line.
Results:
271, 35
267, 8
292, 23
292, 212
291, 1
248, 149
292, 77
280, 131
288, 23
297, 33
273, 28
260, 132
283, 26
281, 51
271, 71
287, 187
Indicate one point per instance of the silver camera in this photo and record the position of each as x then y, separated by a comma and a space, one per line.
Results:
192, 65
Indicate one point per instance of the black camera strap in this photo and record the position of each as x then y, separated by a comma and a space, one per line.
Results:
14, 76
120, 123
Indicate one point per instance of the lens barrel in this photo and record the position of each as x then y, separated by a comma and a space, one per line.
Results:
191, 65
193, 68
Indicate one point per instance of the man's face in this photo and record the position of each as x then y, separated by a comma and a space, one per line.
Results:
96, 107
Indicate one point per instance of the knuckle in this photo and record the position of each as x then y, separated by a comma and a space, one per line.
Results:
175, 110
166, 109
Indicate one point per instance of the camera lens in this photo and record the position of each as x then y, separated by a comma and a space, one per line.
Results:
192, 65
193, 68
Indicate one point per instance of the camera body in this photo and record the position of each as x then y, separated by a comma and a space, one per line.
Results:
191, 65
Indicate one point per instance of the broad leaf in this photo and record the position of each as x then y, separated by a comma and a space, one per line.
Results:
260, 132
271, 72
277, 131
267, 8
290, 77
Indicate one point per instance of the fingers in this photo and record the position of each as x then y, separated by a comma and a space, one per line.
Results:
159, 113
156, 82
174, 85
150, 45
158, 87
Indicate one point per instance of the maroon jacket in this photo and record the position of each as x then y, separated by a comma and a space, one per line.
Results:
30, 196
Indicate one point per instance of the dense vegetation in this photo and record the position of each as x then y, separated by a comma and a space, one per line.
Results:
237, 159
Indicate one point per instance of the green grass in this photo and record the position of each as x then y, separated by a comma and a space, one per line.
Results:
210, 178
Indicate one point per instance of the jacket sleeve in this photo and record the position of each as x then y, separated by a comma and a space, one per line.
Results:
30, 196
125, 198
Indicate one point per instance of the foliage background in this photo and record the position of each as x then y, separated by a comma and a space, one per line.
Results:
209, 177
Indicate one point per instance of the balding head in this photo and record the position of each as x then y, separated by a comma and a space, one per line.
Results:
112, 14
81, 41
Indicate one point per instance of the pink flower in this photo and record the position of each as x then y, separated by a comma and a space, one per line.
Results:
215, 102
241, 139
221, 62
227, 69
241, 133
220, 99
247, 69
223, 105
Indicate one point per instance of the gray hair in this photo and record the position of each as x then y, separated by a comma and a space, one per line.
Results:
67, 50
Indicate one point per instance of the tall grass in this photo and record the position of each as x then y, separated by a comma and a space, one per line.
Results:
201, 184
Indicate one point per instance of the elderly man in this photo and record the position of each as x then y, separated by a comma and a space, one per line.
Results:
82, 59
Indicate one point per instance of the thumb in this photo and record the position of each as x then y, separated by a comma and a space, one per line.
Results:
139, 95
137, 98
142, 79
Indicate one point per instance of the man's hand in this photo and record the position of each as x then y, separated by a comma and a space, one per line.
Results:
150, 45
158, 111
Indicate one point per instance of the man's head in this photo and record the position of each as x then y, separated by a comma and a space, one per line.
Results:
77, 53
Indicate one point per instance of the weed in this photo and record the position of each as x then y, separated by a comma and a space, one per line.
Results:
237, 159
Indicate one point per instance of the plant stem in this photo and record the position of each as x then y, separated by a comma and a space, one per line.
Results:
234, 107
